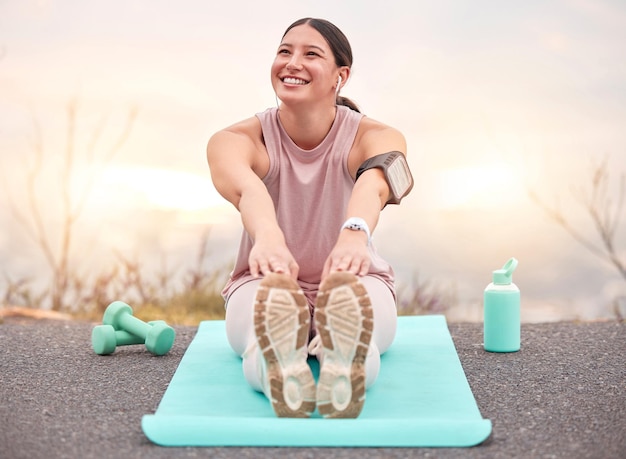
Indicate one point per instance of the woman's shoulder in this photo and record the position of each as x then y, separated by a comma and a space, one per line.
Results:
373, 135
244, 138
243, 133
250, 127
368, 124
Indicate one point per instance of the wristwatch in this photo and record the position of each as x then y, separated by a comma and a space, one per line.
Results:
358, 224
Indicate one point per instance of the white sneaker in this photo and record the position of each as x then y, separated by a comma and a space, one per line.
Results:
345, 322
281, 324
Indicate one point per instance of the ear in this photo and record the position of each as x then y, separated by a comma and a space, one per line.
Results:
344, 74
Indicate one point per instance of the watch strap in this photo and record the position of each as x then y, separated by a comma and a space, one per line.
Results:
357, 224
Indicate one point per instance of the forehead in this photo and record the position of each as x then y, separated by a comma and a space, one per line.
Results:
304, 35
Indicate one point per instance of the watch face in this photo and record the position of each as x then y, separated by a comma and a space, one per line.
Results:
399, 177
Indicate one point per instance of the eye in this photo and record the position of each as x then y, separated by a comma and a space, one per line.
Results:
283, 51
312, 53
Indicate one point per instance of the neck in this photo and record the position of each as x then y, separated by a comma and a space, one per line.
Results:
307, 127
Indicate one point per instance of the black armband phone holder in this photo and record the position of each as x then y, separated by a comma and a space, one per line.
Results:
396, 170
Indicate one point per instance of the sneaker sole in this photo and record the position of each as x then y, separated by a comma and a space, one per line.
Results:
344, 320
281, 323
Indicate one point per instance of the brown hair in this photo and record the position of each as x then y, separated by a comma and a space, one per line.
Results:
339, 45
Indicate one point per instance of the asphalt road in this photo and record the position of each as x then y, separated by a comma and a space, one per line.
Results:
562, 396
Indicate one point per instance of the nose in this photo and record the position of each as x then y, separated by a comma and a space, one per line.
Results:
294, 62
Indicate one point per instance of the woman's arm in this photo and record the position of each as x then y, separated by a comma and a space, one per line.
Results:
368, 198
237, 166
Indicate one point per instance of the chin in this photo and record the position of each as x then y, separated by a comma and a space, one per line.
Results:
287, 98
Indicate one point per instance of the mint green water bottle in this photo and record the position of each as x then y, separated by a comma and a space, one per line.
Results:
501, 311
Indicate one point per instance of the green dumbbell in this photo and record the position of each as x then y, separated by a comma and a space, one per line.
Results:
158, 337
105, 338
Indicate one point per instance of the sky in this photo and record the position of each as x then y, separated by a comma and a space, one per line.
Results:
494, 98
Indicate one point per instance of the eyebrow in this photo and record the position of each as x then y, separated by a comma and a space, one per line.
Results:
289, 45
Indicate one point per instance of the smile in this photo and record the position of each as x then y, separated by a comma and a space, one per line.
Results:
290, 80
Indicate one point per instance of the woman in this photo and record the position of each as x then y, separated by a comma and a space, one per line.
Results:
306, 268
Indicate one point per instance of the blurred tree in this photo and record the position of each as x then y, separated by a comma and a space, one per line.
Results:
604, 208
420, 297
72, 195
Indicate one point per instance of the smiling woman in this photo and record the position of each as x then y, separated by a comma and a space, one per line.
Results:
159, 188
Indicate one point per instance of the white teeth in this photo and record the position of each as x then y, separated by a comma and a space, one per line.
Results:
294, 81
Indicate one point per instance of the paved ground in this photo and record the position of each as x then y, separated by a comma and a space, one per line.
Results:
562, 396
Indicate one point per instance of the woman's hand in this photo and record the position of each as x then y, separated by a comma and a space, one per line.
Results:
350, 254
271, 256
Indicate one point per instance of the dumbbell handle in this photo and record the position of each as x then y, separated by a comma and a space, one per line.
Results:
133, 325
123, 338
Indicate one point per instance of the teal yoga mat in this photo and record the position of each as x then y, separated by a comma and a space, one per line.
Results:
421, 398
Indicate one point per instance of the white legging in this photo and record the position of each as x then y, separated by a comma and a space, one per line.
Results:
240, 327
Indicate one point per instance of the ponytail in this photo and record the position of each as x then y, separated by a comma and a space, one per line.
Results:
348, 103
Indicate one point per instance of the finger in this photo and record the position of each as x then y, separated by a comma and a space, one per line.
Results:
254, 269
358, 266
325, 270
294, 270
354, 267
264, 268
363, 268
277, 266
345, 264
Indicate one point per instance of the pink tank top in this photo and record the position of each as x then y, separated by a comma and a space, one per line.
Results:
310, 190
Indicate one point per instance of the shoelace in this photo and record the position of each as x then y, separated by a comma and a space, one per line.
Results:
315, 346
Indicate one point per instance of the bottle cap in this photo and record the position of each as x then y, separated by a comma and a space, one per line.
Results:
504, 276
